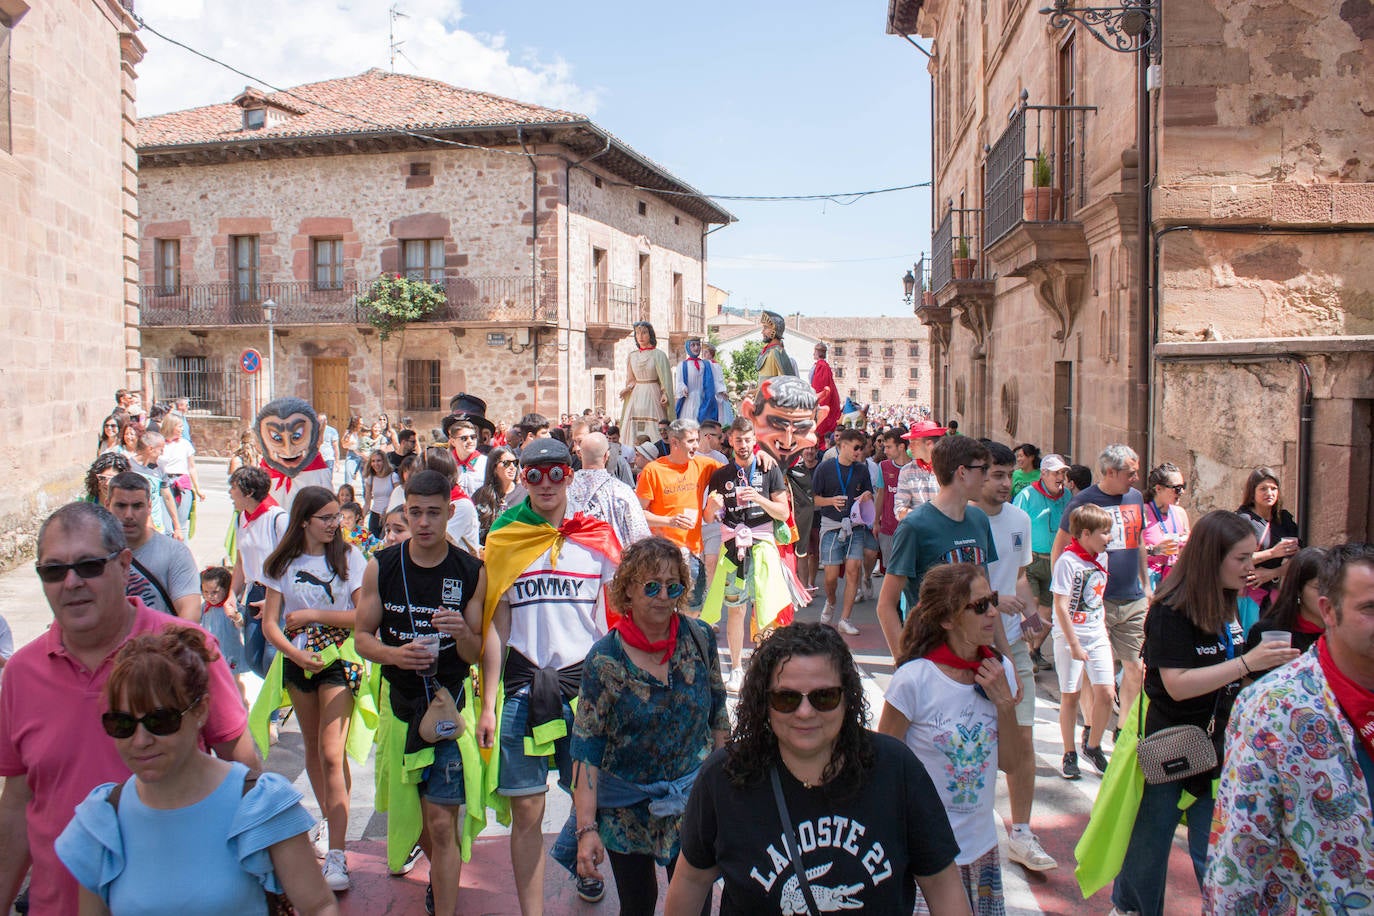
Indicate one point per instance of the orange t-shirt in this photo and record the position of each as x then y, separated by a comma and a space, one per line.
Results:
674, 488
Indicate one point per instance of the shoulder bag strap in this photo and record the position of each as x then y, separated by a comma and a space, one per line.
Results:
162, 591
789, 838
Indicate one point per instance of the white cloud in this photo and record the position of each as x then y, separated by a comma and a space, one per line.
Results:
289, 42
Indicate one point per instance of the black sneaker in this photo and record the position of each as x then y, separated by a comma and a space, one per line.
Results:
1095, 756
429, 899
1040, 662
1071, 765
590, 889
409, 864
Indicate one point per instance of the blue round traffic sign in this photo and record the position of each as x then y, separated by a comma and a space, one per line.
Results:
250, 360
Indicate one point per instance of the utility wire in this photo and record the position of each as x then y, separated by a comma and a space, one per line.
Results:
843, 199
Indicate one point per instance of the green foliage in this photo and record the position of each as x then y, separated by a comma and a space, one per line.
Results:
744, 365
394, 301
961, 247
1041, 175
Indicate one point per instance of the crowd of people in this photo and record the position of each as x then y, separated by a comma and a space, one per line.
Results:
482, 608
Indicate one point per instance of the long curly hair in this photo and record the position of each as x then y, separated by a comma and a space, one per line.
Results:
945, 591
109, 461
753, 748
640, 563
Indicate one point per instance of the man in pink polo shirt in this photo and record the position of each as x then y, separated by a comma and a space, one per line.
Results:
53, 750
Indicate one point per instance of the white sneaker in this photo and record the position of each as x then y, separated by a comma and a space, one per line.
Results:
1029, 854
828, 613
319, 839
847, 628
336, 870
735, 681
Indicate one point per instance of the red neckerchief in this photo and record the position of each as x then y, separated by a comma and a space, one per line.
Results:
642, 349
924, 465
456, 494
634, 636
219, 605
696, 363
277, 476
1077, 550
944, 655
471, 461
1052, 499
1306, 626
267, 503
173, 438
1356, 702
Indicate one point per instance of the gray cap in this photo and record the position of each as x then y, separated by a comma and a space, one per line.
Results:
1053, 463
545, 450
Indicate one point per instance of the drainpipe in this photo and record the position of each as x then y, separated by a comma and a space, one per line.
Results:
1142, 403
568, 166
534, 260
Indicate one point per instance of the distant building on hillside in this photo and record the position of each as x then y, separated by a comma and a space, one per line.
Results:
548, 236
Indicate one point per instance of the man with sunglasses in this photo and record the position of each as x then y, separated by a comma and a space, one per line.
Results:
547, 572
944, 530
472, 464
53, 747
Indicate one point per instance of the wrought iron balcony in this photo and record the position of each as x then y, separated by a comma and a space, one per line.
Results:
957, 248
696, 318
1036, 171
611, 310
477, 300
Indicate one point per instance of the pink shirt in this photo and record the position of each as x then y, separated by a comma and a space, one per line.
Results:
50, 732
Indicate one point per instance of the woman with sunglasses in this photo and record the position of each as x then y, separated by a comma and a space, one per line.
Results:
948, 700
651, 708
104, 469
313, 579
180, 801
800, 762
111, 434
496, 495
1166, 522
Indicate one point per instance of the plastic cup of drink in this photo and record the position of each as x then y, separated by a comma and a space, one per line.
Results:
430, 643
1282, 637
691, 515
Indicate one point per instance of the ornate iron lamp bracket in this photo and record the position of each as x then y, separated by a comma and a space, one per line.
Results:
1133, 26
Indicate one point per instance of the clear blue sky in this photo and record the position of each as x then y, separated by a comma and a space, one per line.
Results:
746, 97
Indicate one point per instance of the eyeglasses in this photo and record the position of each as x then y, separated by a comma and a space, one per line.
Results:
822, 699
112, 426
327, 519
465, 438
782, 424
675, 589
982, 604
976, 467
556, 473
86, 569
160, 722
507, 463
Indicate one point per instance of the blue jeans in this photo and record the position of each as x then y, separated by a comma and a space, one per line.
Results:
353, 467
523, 775
1141, 884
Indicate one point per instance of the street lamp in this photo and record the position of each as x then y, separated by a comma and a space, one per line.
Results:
908, 286
269, 311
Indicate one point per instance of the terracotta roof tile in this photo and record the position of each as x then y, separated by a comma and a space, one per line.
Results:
372, 101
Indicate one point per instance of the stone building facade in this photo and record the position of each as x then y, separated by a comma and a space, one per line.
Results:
1044, 328
548, 236
68, 284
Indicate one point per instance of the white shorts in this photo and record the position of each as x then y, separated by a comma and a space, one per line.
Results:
1101, 668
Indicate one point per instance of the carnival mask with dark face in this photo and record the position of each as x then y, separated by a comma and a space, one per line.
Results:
694, 349
289, 434
784, 432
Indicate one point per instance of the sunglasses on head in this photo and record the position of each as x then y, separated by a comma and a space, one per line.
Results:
822, 699
160, 722
675, 589
982, 604
86, 569
556, 473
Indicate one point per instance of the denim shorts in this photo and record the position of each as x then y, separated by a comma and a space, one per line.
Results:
521, 774
834, 551
443, 782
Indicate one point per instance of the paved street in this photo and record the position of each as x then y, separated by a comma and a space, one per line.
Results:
1061, 809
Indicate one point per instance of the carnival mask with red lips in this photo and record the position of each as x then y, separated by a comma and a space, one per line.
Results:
288, 431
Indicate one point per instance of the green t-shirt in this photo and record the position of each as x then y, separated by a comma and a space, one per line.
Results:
927, 537
1021, 479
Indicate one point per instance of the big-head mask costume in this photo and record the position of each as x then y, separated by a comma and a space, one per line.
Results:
288, 432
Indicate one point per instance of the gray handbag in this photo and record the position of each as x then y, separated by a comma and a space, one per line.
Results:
1177, 752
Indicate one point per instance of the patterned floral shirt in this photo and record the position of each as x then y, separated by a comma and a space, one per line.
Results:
642, 730
1292, 824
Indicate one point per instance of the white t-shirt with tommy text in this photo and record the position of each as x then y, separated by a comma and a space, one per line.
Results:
1011, 532
953, 732
557, 612
1084, 585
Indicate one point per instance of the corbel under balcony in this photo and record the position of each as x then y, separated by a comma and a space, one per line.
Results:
1053, 258
972, 301
936, 319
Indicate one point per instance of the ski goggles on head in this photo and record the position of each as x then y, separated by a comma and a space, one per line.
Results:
556, 473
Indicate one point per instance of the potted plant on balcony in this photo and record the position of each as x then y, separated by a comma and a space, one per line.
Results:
1041, 200
394, 300
962, 264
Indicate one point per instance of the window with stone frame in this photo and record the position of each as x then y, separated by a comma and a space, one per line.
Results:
913, 393
837, 352
888, 372
167, 266
913, 372
863, 372
839, 372
875, 395
422, 384
913, 351
423, 259
243, 253
327, 258
6, 30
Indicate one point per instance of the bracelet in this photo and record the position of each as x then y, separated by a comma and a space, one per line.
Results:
580, 832
1241, 659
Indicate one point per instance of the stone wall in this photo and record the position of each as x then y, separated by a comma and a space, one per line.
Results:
65, 220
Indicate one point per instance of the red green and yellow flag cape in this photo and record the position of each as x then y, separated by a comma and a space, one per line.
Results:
520, 536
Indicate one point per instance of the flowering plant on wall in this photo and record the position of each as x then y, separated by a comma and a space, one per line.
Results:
395, 300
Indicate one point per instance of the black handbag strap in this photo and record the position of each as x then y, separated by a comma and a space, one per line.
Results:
161, 589
789, 838
1140, 717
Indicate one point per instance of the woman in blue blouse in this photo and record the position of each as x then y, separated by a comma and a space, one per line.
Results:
652, 707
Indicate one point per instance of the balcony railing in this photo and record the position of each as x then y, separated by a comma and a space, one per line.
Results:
696, 318
474, 299
957, 248
611, 303
1036, 169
